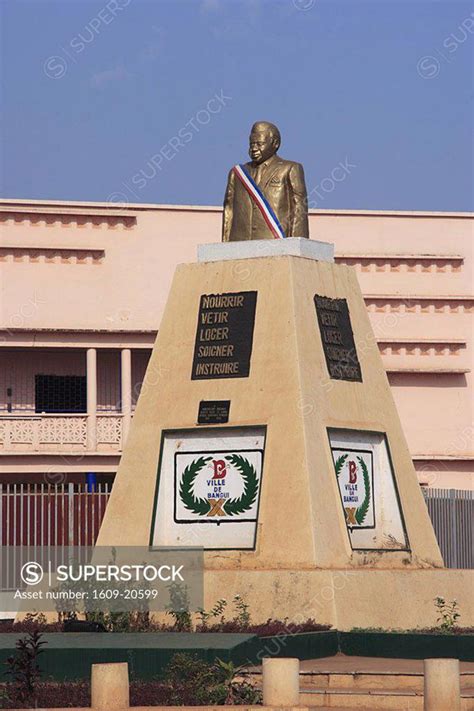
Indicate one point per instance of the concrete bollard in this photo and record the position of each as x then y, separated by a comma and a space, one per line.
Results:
281, 682
442, 686
109, 687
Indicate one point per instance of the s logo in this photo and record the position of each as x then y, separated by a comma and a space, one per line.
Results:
32, 573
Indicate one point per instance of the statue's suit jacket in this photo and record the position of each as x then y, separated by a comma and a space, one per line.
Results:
282, 183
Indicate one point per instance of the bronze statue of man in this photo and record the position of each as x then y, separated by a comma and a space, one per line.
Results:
265, 198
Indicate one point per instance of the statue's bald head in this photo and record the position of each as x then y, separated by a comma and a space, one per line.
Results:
270, 128
265, 140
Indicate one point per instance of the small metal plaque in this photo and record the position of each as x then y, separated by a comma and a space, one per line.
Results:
224, 335
213, 412
338, 339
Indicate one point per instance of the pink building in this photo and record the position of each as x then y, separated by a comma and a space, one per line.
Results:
83, 286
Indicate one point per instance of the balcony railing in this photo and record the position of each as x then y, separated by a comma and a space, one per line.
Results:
59, 433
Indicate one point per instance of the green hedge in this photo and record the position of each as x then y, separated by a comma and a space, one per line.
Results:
70, 655
406, 645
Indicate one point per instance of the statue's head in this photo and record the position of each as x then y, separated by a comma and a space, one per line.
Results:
264, 141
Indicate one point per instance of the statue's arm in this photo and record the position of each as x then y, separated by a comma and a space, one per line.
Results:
228, 207
299, 207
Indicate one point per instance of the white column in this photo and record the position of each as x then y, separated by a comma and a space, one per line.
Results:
126, 392
281, 682
91, 399
442, 685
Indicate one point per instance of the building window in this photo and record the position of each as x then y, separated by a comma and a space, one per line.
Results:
60, 393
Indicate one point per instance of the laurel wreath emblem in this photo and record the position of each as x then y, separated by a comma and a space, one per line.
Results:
231, 507
361, 512
197, 506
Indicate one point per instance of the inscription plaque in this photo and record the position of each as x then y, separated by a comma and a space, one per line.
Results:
224, 335
213, 412
338, 339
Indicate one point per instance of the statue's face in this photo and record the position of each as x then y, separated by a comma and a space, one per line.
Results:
261, 146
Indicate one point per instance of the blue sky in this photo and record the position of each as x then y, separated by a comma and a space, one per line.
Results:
152, 100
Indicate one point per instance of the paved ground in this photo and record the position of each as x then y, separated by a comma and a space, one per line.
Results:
381, 665
343, 663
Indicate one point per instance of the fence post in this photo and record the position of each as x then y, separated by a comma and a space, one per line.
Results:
442, 690
453, 525
91, 371
110, 687
70, 514
281, 681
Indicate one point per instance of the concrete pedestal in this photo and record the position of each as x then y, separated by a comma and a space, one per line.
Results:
289, 247
281, 682
313, 442
110, 687
442, 691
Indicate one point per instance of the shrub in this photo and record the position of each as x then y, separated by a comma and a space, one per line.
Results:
195, 682
23, 668
447, 614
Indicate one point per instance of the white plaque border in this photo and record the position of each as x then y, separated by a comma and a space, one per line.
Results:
384, 443
223, 430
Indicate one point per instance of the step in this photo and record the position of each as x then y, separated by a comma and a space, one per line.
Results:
321, 679
346, 708
373, 700
369, 683
372, 681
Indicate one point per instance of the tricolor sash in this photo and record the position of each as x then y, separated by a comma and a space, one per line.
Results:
260, 201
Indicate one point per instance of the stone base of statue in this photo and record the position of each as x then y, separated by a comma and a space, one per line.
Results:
267, 434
